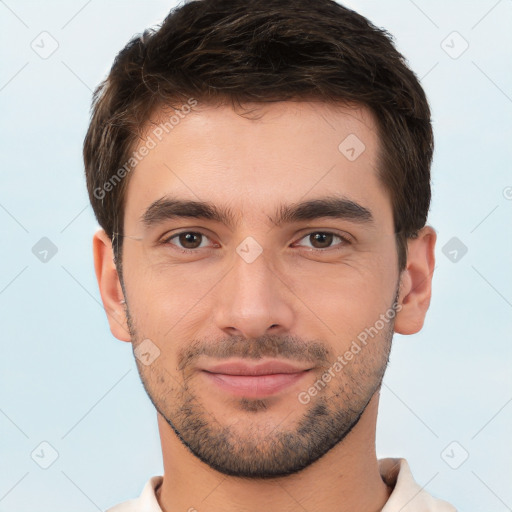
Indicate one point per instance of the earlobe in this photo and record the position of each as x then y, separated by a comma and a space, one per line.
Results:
416, 282
110, 286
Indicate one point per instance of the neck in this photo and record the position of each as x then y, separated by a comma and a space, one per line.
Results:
345, 479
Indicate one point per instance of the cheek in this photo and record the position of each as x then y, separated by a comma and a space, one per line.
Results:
341, 297
164, 298
346, 297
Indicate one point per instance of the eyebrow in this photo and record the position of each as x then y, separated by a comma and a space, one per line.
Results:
168, 207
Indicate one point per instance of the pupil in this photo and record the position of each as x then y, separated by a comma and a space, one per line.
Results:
188, 238
325, 239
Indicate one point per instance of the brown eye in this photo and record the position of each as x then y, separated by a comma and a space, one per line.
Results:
319, 240
188, 240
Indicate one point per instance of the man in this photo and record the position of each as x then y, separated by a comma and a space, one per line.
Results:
261, 174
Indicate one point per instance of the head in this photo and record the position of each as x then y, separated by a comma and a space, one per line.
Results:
261, 174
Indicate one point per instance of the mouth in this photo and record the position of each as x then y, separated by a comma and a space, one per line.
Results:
239, 378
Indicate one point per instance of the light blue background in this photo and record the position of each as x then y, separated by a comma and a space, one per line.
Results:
67, 381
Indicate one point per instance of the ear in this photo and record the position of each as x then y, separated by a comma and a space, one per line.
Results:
110, 285
416, 282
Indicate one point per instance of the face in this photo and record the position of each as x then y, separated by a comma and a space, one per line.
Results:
260, 274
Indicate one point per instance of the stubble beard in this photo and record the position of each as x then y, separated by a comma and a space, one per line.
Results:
258, 451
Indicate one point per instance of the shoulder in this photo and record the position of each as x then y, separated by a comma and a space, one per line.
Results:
146, 502
407, 494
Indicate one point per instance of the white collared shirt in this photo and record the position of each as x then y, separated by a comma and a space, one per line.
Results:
407, 495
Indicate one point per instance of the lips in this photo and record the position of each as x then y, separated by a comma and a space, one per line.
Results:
266, 368
254, 380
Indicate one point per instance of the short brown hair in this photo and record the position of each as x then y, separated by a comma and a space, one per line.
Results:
263, 51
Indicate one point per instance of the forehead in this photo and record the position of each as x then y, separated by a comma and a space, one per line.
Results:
280, 153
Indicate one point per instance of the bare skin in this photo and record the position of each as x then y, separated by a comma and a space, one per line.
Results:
292, 304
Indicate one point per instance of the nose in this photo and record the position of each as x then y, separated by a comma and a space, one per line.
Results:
253, 300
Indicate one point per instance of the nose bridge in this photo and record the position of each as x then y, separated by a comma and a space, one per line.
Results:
252, 299
255, 279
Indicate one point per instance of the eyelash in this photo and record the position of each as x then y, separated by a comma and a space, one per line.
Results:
344, 241
181, 249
